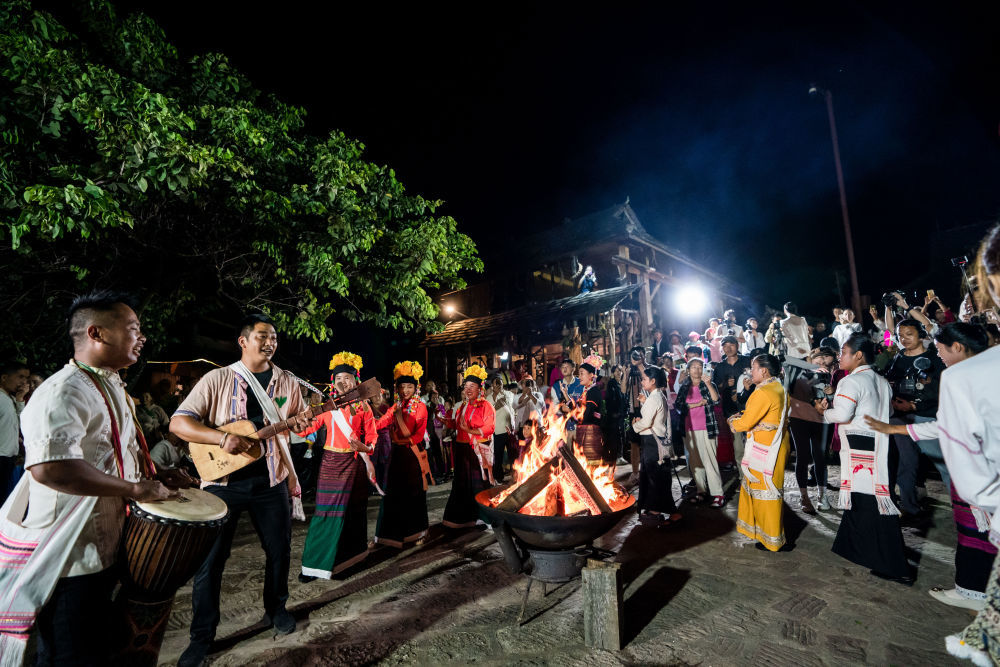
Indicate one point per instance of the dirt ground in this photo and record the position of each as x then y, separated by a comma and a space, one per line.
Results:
695, 594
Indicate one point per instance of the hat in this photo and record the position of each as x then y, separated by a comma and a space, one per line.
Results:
407, 371
475, 373
592, 363
345, 362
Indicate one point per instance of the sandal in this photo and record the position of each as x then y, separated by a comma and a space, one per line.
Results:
718, 501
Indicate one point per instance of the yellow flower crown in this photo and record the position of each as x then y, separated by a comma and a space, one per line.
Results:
346, 358
407, 368
476, 370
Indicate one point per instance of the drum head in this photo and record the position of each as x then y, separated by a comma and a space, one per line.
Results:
192, 505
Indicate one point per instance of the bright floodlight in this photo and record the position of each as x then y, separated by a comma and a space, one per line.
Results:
691, 300
505, 356
448, 309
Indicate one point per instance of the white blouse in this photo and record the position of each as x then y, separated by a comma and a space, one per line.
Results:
653, 416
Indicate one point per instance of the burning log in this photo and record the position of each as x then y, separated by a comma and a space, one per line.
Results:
580, 479
530, 488
554, 503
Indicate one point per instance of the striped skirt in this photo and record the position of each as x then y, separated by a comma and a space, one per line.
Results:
338, 531
974, 554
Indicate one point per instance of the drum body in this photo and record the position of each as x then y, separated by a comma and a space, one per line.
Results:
166, 542
591, 441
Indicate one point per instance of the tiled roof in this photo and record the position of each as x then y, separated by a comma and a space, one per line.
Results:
538, 322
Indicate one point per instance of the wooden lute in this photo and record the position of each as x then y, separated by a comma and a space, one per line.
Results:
213, 462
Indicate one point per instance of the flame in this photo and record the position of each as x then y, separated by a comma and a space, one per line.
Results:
562, 495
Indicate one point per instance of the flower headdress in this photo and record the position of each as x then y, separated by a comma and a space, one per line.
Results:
593, 363
346, 362
475, 373
408, 371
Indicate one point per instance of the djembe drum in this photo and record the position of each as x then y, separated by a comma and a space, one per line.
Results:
164, 544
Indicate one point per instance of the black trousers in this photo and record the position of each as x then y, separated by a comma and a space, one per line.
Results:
502, 442
810, 447
271, 513
79, 625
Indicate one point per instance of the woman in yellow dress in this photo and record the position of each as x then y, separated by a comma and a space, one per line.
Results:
765, 421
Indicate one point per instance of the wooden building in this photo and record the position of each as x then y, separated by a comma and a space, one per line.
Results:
530, 307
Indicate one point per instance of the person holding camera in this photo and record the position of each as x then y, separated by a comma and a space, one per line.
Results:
809, 433
775, 338
897, 308
753, 339
529, 401
914, 374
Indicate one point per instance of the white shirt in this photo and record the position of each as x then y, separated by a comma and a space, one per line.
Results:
844, 331
535, 403
754, 341
796, 333
503, 406
969, 431
723, 331
67, 419
165, 455
859, 394
9, 427
654, 416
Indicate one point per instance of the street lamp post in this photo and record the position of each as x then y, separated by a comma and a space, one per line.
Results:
852, 266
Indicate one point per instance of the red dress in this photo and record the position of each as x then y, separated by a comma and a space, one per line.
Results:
402, 517
462, 509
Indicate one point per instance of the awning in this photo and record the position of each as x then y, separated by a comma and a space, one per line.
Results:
534, 323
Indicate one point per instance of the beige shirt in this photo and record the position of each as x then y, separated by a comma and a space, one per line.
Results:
66, 419
221, 397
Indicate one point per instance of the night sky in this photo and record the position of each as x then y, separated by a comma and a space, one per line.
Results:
519, 117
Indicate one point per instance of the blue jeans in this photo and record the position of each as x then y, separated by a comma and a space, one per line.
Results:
271, 514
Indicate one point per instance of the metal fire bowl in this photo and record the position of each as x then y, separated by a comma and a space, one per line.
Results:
551, 532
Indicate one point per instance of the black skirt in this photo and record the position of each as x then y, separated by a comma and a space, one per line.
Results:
403, 515
462, 509
871, 539
655, 482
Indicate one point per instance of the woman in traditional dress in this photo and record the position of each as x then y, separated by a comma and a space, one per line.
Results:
473, 420
656, 499
588, 430
766, 424
974, 554
338, 531
403, 515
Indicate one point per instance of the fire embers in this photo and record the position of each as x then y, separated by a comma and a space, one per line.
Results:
552, 480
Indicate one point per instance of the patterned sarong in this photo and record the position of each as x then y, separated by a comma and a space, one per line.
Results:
338, 532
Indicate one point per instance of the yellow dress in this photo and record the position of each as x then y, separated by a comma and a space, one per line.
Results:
761, 504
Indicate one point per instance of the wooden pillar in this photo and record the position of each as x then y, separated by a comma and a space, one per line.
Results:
603, 616
613, 356
645, 311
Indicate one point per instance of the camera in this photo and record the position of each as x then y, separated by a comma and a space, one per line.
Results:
636, 355
910, 386
818, 388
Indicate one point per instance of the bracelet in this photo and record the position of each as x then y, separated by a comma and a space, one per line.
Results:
224, 436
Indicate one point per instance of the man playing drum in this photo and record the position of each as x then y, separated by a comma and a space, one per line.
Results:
83, 450
253, 389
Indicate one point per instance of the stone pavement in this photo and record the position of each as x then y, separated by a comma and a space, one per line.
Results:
694, 595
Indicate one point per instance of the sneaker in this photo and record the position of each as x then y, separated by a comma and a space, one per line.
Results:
718, 501
282, 621
193, 655
955, 599
824, 502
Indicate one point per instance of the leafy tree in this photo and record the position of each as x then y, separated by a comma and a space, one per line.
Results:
123, 164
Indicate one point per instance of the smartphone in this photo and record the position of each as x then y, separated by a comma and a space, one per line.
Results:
930, 294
